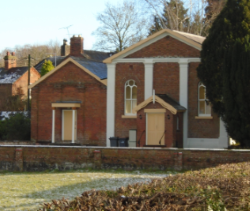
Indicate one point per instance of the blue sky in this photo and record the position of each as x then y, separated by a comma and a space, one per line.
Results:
38, 21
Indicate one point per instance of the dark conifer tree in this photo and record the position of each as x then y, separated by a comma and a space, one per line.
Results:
232, 23
236, 97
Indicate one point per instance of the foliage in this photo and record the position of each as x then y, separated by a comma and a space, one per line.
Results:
225, 30
47, 66
195, 17
174, 17
121, 26
236, 96
38, 52
220, 188
17, 127
16, 102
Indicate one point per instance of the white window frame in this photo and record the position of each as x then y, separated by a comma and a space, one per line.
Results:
203, 100
131, 97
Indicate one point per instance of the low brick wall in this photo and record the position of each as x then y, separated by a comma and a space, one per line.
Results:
39, 158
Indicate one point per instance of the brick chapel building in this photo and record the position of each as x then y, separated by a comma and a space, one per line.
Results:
153, 90
14, 80
69, 102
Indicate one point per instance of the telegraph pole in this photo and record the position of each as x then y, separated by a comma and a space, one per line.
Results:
28, 101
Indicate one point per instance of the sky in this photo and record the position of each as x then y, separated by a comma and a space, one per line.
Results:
39, 21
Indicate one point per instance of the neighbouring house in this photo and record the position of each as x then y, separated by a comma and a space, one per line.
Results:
69, 102
14, 80
155, 98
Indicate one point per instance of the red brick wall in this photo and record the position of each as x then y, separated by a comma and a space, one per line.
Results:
125, 72
166, 47
23, 81
47, 158
5, 92
64, 85
166, 79
199, 128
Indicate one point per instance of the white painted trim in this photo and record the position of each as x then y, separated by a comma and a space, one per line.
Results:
146, 131
53, 126
148, 78
183, 98
73, 125
63, 124
110, 102
154, 60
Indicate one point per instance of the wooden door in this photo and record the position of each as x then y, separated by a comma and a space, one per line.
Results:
67, 125
155, 128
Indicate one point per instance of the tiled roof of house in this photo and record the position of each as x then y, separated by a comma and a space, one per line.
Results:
97, 68
92, 61
10, 76
171, 101
55, 60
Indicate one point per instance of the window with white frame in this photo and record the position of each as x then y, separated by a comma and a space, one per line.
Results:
204, 105
130, 97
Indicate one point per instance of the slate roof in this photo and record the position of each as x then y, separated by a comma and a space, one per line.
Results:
171, 101
96, 55
97, 68
58, 59
91, 60
10, 76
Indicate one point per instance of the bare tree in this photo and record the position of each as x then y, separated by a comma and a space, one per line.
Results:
201, 14
121, 26
38, 52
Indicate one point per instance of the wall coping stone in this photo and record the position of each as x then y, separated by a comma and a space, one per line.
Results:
131, 148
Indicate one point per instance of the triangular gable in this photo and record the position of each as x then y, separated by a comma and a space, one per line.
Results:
164, 104
61, 65
183, 37
158, 100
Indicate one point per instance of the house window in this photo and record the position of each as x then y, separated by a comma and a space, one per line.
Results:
130, 97
204, 104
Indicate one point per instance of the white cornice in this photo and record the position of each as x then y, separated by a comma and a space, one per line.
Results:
156, 60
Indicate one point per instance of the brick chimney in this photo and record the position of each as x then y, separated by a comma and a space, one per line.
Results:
65, 48
76, 46
9, 60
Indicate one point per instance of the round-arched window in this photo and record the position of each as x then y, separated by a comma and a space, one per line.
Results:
130, 97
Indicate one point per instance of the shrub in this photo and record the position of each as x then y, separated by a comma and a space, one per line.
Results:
17, 127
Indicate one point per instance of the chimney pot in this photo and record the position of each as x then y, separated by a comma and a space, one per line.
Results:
13, 54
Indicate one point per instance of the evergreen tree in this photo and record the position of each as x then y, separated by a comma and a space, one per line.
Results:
157, 26
236, 96
47, 66
174, 17
232, 23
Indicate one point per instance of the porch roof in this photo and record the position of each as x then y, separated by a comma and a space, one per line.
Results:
165, 101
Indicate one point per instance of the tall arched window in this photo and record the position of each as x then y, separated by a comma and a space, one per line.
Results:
204, 105
130, 97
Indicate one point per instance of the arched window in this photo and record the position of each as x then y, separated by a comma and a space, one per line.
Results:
204, 105
130, 97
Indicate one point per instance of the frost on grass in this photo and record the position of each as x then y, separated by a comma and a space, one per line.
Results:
27, 191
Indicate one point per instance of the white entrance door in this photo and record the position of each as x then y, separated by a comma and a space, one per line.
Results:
67, 125
155, 128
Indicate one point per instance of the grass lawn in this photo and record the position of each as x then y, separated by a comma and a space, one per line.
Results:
27, 191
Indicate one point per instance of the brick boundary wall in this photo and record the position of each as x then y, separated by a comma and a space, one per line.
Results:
40, 158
